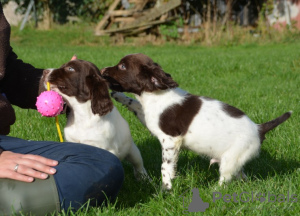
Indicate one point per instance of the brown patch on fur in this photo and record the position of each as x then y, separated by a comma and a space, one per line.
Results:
232, 111
176, 119
101, 102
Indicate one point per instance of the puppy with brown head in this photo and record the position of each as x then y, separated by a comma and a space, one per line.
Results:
137, 74
93, 119
179, 119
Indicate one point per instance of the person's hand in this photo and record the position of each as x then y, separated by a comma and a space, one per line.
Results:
25, 167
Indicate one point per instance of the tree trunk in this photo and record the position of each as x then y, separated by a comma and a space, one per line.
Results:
228, 14
207, 26
215, 17
246, 15
47, 18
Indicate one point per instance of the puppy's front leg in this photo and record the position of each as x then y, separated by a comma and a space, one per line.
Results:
132, 105
136, 159
170, 151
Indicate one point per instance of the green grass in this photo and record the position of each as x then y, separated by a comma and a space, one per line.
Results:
261, 80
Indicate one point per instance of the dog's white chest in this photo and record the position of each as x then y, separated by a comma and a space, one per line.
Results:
109, 132
87, 130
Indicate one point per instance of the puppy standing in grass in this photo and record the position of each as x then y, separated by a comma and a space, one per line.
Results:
179, 119
93, 119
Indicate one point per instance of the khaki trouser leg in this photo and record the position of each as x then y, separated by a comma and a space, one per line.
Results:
37, 198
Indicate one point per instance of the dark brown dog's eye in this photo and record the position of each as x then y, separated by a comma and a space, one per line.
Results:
71, 69
122, 67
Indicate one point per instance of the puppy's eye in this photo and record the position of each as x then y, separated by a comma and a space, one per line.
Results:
70, 69
122, 67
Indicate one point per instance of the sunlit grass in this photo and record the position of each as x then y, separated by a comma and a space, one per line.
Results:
263, 81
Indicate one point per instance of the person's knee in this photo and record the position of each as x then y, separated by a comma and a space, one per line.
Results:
89, 174
93, 157
108, 186
106, 174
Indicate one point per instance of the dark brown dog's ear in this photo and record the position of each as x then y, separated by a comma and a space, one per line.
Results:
158, 79
100, 98
41, 86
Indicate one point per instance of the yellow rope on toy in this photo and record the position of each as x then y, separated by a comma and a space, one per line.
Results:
56, 120
58, 129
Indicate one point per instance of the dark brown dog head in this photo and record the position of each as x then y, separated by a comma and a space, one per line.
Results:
80, 80
137, 73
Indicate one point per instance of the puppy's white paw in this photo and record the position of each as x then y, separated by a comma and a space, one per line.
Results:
120, 97
166, 186
143, 175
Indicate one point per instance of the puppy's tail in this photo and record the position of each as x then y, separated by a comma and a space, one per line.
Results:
265, 127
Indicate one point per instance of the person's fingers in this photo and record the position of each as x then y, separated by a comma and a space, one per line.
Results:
17, 176
11, 173
41, 159
25, 167
25, 170
17, 156
34, 168
22, 169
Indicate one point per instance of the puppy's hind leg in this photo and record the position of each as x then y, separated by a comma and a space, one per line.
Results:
235, 158
135, 158
229, 167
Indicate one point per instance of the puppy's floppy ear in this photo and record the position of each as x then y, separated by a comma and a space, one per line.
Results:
100, 98
159, 80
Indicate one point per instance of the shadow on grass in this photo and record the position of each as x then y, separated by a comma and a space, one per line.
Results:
266, 166
134, 192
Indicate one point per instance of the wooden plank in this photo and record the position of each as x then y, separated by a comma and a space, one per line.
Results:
146, 20
136, 1
122, 12
124, 19
140, 1
136, 31
129, 28
154, 13
140, 5
104, 20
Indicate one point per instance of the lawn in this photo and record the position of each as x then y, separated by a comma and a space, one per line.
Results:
261, 80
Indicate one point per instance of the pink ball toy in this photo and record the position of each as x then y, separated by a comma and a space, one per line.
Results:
49, 103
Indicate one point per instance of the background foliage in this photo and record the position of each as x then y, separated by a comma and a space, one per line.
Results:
93, 10
89, 10
222, 21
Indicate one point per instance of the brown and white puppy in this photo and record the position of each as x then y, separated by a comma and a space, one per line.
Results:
93, 119
179, 119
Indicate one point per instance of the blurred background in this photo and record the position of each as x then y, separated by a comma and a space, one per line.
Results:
208, 22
